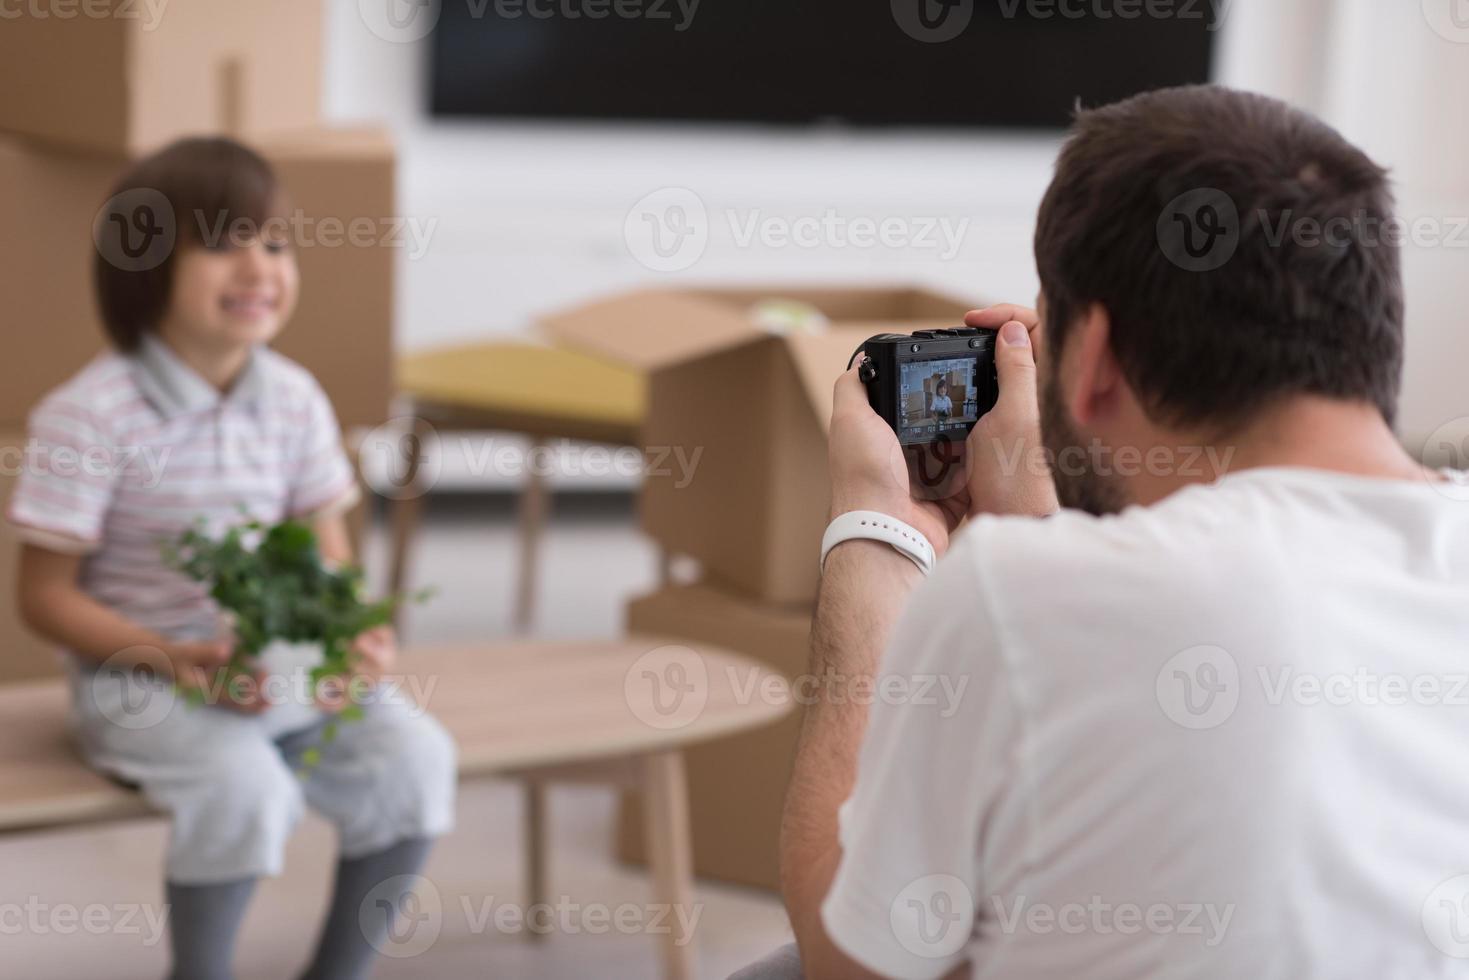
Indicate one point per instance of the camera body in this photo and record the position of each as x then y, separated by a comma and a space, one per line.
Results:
933, 385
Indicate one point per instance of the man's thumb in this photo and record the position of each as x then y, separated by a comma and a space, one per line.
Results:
1015, 365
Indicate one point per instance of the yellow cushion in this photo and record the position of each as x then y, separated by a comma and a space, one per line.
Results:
524, 379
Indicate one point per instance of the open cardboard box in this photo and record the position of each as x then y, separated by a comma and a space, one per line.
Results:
126, 76
342, 330
736, 785
738, 416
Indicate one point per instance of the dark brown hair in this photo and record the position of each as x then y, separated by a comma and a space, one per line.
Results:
1210, 339
208, 184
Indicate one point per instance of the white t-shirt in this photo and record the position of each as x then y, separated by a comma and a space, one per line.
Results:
1223, 736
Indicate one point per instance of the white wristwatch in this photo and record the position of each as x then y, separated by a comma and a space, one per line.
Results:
871, 525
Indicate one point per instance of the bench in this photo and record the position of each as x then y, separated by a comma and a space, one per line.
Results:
544, 711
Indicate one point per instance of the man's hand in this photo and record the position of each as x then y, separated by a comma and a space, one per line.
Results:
869, 470
1004, 455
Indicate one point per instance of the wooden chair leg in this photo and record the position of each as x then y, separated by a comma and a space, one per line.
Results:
534, 502
407, 515
670, 856
535, 850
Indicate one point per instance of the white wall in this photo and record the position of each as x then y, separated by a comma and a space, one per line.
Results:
530, 217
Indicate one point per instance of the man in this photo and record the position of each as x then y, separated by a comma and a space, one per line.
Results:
1205, 723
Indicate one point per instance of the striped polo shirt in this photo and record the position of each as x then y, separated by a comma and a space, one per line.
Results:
136, 448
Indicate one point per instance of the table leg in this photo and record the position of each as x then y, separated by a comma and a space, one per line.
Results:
534, 502
407, 513
670, 856
535, 849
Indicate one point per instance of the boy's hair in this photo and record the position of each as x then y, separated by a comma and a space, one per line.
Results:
209, 184
1206, 335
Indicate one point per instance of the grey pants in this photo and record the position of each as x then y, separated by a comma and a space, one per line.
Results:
783, 964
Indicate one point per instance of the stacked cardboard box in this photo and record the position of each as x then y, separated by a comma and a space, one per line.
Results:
91, 86
737, 479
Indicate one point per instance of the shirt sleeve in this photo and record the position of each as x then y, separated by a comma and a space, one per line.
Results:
323, 480
936, 757
68, 475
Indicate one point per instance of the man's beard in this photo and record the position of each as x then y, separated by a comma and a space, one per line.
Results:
1077, 486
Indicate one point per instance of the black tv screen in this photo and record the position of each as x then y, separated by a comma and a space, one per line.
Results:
1006, 63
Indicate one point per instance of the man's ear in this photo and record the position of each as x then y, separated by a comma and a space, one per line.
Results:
1097, 391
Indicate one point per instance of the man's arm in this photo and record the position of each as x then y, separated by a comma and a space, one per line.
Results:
864, 589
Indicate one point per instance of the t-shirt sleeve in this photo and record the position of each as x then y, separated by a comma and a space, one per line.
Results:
935, 759
322, 478
67, 478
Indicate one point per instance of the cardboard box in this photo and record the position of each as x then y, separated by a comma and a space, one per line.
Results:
343, 327
736, 785
23, 656
755, 408
126, 76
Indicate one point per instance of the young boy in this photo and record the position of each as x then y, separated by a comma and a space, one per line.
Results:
192, 417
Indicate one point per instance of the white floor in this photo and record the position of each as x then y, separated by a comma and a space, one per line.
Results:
594, 560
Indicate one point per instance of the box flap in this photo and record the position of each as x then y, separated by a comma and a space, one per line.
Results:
651, 328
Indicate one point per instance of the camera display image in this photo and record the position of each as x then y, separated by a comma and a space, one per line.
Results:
936, 397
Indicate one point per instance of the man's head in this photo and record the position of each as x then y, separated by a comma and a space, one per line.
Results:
1205, 256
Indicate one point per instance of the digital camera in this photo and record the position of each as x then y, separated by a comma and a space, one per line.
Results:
933, 385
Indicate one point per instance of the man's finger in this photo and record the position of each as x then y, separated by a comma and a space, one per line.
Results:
850, 394
1015, 364
997, 316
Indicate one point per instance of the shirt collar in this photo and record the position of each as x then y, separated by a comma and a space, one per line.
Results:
173, 388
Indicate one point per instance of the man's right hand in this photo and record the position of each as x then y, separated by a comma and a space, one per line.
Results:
1004, 453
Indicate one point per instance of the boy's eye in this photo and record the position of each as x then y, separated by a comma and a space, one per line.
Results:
220, 244
278, 246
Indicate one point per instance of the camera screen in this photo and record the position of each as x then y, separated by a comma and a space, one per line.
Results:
936, 397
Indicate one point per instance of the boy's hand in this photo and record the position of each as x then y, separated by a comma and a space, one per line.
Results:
1004, 455
201, 667
374, 654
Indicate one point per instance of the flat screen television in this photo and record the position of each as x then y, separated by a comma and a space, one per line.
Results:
926, 63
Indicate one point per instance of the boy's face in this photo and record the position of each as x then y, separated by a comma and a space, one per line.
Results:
233, 296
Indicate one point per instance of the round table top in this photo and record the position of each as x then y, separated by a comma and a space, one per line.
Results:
509, 706
521, 380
